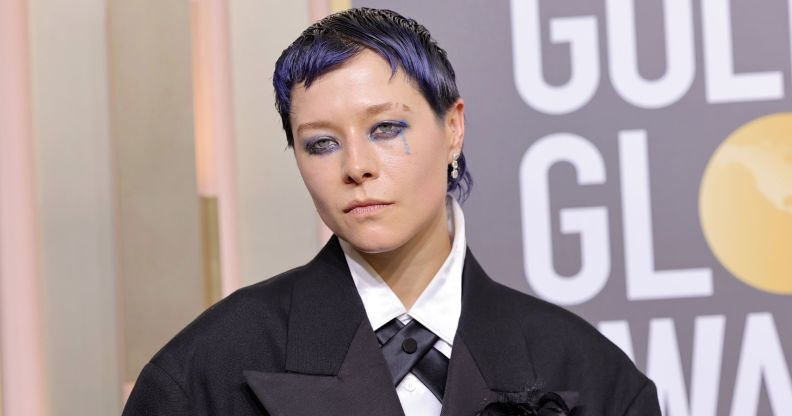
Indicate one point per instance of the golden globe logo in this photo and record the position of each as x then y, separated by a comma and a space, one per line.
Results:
745, 203
709, 352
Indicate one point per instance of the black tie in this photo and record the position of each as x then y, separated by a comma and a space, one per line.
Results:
409, 348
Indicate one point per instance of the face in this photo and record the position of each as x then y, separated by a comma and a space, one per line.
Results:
373, 154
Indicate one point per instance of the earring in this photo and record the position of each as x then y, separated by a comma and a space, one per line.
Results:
455, 166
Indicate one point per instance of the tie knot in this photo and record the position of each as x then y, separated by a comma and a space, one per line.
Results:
408, 348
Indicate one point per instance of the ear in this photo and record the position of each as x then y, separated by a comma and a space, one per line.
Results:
455, 128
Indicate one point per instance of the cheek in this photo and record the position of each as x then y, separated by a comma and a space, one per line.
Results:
316, 180
432, 168
434, 180
422, 172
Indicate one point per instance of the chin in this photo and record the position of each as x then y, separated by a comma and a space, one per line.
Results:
372, 247
372, 243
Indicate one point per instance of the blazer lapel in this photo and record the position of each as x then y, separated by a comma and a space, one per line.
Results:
466, 390
490, 354
334, 365
362, 386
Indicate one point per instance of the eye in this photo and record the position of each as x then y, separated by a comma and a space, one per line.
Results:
321, 145
387, 130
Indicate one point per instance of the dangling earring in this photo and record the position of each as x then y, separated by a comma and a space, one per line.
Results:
454, 166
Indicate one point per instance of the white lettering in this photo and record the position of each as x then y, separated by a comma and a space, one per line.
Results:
580, 33
707, 359
623, 54
643, 281
761, 358
723, 85
664, 366
590, 223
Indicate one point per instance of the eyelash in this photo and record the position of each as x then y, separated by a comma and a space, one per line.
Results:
320, 145
326, 144
397, 126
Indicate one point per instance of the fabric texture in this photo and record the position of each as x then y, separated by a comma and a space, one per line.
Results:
300, 344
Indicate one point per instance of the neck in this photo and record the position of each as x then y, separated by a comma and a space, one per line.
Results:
409, 269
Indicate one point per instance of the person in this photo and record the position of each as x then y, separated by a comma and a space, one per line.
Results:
394, 316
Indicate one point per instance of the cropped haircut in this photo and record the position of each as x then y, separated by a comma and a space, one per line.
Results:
404, 43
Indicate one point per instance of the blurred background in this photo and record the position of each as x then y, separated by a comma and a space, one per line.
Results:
633, 162
138, 139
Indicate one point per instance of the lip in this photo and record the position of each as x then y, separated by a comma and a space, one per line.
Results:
368, 206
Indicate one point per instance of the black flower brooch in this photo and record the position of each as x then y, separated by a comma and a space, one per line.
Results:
534, 402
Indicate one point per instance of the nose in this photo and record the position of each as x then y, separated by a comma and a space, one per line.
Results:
361, 162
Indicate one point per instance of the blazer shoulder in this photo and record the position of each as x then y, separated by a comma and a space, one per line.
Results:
255, 316
204, 363
562, 342
541, 318
266, 300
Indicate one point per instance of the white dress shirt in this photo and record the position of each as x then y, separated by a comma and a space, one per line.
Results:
437, 308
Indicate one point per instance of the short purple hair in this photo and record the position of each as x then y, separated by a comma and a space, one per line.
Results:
402, 42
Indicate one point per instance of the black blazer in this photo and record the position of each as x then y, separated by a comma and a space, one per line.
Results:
300, 344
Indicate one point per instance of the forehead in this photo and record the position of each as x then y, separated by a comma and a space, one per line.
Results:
364, 81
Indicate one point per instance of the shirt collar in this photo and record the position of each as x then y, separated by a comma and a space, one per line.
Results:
439, 305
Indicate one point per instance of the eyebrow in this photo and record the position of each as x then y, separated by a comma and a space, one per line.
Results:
379, 108
314, 125
371, 110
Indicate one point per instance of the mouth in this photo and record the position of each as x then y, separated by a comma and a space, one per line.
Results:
368, 206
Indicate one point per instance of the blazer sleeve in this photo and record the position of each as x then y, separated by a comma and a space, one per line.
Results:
645, 402
157, 393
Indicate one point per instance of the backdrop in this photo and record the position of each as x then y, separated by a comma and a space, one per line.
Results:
633, 162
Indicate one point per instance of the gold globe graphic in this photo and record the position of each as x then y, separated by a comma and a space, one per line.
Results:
745, 203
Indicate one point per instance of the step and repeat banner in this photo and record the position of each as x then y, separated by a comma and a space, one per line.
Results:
633, 162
